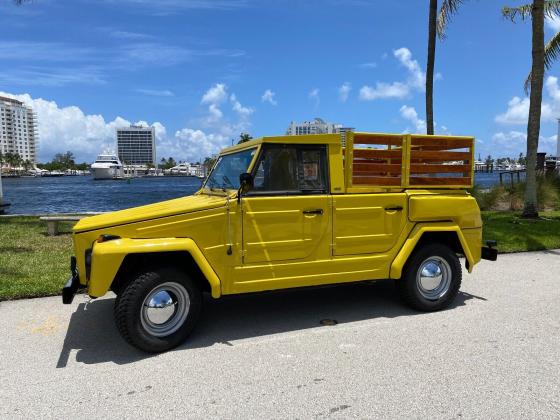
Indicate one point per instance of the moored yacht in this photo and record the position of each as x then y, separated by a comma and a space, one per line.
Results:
107, 166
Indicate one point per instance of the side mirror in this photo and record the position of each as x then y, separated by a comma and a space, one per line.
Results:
245, 182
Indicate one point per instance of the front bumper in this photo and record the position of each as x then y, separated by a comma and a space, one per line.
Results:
72, 285
488, 253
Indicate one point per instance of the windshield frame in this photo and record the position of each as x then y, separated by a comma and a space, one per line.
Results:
206, 187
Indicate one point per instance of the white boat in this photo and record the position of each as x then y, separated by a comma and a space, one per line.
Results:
107, 166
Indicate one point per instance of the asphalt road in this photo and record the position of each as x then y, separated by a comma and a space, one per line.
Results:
494, 354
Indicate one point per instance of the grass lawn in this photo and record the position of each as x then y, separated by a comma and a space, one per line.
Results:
33, 264
514, 234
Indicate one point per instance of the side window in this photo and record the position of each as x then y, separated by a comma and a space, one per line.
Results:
292, 170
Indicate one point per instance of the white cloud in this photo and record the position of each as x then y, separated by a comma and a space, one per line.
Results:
155, 92
268, 96
517, 112
242, 111
415, 81
69, 128
214, 114
215, 95
314, 95
344, 91
383, 91
369, 65
195, 144
409, 113
514, 142
417, 78
553, 23
165, 7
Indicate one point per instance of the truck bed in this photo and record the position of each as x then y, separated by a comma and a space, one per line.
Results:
403, 161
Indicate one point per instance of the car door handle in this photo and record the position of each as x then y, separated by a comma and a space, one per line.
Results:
396, 208
316, 211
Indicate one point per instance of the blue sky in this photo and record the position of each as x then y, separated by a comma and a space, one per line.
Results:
200, 70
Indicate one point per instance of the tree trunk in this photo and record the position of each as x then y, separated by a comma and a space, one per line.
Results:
430, 67
534, 124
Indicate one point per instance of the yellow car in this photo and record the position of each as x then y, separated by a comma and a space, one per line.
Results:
283, 212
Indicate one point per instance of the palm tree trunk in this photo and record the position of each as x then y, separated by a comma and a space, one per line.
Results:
430, 67
534, 124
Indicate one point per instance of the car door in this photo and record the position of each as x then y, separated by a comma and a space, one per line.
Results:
286, 216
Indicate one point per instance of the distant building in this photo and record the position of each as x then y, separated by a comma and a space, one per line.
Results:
317, 126
137, 145
18, 129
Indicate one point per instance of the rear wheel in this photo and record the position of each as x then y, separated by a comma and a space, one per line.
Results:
158, 309
431, 278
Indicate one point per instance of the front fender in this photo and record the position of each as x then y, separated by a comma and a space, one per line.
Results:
469, 246
107, 258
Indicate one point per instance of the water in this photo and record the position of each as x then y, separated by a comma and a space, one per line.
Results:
71, 194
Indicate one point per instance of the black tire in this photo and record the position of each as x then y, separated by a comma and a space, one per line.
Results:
429, 259
132, 313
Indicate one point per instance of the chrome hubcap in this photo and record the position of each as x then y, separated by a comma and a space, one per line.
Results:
165, 309
433, 278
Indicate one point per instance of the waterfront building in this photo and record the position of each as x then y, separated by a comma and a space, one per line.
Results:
18, 129
317, 126
136, 145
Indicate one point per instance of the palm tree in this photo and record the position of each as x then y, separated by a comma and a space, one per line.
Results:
542, 58
437, 25
244, 137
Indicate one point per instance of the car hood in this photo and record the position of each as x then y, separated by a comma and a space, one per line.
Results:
182, 205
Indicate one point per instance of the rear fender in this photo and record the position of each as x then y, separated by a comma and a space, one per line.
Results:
415, 236
107, 258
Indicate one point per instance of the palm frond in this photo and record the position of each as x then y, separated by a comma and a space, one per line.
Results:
551, 9
551, 54
551, 51
446, 12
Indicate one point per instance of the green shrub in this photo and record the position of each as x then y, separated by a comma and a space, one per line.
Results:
488, 199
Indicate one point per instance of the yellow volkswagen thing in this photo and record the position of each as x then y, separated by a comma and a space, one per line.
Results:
284, 212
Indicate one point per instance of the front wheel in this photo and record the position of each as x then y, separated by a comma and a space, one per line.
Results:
158, 309
431, 279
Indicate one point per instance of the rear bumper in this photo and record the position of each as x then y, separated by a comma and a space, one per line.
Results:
72, 285
487, 253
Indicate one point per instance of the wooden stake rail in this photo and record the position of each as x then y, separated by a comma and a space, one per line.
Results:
374, 161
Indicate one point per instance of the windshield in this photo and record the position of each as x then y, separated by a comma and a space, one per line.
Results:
225, 174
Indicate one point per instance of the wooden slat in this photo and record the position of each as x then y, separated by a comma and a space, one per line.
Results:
377, 167
418, 180
377, 154
374, 139
440, 156
376, 180
434, 169
443, 143
458, 149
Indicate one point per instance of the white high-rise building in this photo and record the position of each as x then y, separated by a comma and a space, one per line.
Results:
317, 126
18, 129
137, 145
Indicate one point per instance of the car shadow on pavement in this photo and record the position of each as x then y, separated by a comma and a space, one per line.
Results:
92, 331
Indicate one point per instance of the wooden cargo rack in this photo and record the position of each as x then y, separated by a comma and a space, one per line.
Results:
390, 161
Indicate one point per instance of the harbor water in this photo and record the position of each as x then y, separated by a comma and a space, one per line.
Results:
74, 194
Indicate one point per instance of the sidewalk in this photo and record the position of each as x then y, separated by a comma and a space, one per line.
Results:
494, 354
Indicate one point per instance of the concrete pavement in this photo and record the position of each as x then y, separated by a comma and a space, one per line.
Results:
494, 354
